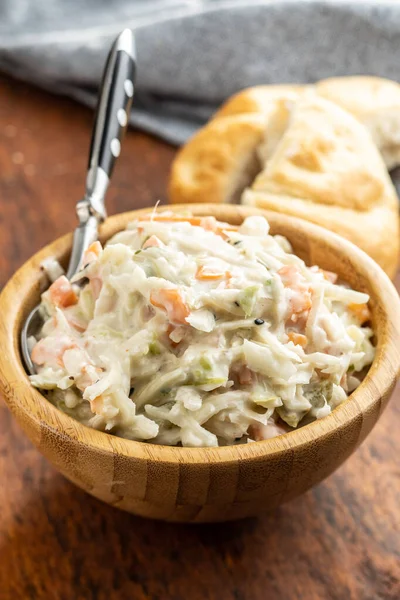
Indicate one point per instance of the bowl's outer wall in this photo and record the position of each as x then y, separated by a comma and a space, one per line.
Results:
183, 484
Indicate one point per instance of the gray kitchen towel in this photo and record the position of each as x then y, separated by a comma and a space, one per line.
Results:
193, 54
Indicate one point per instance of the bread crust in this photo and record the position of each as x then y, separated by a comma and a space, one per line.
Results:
219, 160
260, 99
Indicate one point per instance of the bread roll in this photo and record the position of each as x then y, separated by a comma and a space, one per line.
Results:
373, 101
326, 169
326, 157
293, 150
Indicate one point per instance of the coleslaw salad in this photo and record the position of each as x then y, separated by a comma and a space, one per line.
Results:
187, 331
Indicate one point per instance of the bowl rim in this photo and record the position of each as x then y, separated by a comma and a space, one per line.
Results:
23, 398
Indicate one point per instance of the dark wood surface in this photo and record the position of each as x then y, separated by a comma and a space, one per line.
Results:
340, 541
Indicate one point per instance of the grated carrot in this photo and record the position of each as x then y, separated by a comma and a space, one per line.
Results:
297, 338
207, 274
170, 300
361, 311
208, 223
92, 253
61, 293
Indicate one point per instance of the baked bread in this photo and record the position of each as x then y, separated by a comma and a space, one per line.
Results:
372, 100
326, 169
259, 99
220, 161
313, 159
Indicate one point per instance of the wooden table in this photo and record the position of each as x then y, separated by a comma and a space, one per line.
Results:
340, 541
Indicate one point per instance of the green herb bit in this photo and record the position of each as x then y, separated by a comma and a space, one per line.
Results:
205, 363
247, 299
210, 381
154, 348
290, 417
318, 393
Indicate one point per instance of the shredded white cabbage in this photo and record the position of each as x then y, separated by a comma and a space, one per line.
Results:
193, 332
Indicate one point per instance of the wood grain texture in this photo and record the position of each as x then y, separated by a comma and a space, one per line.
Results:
339, 540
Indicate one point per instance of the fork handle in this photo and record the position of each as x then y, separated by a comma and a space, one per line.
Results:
110, 123
111, 119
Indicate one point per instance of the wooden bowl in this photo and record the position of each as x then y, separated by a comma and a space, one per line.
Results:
206, 484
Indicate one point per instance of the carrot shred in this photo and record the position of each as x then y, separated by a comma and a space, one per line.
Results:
206, 274
361, 311
170, 300
97, 404
92, 253
297, 338
208, 223
61, 293
41, 354
293, 279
